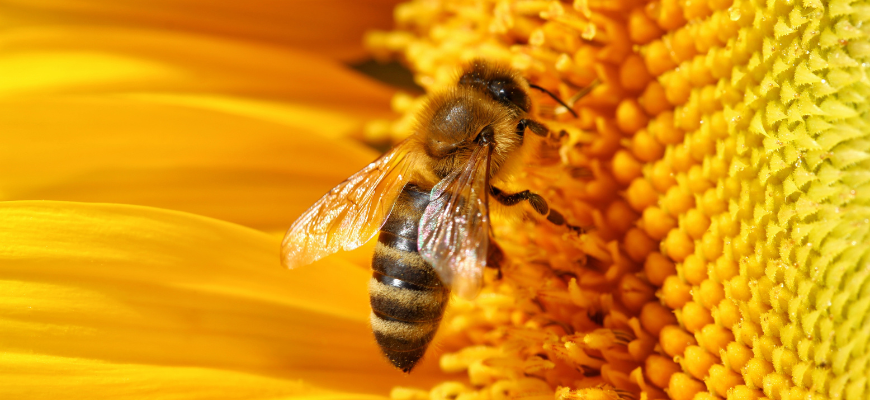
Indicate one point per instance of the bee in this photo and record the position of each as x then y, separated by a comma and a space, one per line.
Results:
429, 199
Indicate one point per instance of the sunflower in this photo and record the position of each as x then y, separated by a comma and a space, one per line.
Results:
719, 161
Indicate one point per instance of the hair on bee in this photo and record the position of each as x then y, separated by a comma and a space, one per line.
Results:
428, 202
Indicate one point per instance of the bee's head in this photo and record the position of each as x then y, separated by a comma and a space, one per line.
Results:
454, 123
500, 82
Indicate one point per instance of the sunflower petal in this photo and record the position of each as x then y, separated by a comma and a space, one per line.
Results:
236, 168
129, 125
136, 381
332, 28
126, 290
111, 60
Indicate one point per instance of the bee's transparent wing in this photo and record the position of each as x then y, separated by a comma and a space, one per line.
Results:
454, 231
352, 212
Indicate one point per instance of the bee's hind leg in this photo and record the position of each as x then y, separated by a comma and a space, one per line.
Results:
537, 202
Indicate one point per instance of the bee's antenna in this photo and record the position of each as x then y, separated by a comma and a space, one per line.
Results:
558, 100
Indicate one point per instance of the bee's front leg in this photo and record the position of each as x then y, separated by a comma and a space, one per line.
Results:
536, 201
536, 127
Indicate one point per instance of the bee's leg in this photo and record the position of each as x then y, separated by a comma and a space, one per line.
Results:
494, 257
556, 218
536, 201
536, 127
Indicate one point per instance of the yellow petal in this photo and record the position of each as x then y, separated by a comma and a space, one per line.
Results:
111, 60
157, 295
99, 379
331, 28
206, 125
236, 168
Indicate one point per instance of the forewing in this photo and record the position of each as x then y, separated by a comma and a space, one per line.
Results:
351, 213
454, 231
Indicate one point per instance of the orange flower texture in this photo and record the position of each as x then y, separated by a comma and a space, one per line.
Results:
715, 153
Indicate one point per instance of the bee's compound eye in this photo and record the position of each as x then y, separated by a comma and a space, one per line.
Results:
508, 93
498, 90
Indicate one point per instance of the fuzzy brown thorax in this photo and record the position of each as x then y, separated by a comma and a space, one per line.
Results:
451, 124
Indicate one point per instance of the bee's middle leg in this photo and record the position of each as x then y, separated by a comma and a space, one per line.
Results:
536, 201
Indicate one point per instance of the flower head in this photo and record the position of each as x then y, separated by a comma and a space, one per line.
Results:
718, 162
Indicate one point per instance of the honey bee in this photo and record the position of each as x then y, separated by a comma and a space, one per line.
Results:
429, 198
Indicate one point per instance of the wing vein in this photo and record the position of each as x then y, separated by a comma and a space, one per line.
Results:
351, 213
454, 229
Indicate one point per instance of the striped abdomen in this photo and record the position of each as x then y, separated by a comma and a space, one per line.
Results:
407, 297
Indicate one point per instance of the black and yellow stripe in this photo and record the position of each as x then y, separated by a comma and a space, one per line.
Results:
407, 297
